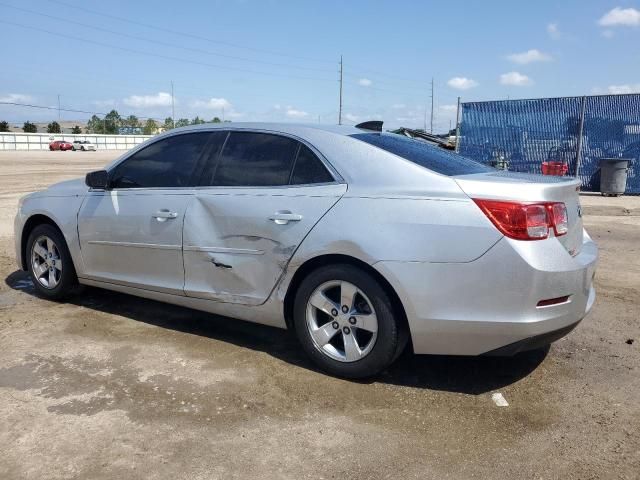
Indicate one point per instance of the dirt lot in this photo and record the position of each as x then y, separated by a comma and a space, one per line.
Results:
111, 386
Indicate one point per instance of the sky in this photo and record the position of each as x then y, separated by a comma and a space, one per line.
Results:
271, 60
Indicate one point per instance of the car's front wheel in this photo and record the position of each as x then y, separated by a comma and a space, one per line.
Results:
49, 263
345, 322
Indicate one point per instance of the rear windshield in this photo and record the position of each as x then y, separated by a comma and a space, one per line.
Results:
434, 158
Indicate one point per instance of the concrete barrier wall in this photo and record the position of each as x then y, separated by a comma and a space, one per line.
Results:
40, 141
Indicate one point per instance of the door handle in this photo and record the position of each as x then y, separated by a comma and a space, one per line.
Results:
285, 216
164, 215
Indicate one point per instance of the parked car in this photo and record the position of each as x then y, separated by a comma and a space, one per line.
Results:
83, 145
358, 240
60, 145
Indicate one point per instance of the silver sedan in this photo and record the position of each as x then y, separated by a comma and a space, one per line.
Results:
361, 241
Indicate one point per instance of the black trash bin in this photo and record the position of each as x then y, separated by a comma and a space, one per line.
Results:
613, 176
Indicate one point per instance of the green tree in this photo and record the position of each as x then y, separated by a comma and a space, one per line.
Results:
183, 122
150, 127
112, 121
168, 123
4, 126
197, 121
216, 120
76, 130
131, 121
29, 127
95, 125
53, 127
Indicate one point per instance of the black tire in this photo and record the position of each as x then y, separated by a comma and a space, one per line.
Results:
390, 340
73, 148
68, 281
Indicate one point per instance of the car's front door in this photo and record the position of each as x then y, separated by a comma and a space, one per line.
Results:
131, 233
262, 195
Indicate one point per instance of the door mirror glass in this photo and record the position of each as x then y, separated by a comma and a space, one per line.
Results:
98, 179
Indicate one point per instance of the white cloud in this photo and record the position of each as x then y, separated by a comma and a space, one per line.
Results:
629, 17
213, 104
449, 108
398, 106
530, 56
16, 98
365, 82
462, 83
294, 113
626, 88
553, 31
161, 99
515, 79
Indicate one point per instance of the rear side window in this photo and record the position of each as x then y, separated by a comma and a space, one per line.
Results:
309, 169
426, 155
255, 159
167, 163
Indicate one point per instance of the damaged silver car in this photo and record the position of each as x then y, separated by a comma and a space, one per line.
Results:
361, 241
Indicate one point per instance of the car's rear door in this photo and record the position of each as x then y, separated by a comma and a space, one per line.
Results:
261, 195
131, 234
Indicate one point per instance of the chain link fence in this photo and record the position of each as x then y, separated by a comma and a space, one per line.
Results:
574, 132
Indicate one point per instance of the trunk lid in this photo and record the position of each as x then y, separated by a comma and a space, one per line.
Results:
524, 187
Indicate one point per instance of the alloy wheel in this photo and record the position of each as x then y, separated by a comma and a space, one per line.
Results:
46, 262
341, 321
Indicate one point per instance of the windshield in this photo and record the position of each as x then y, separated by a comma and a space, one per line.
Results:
424, 154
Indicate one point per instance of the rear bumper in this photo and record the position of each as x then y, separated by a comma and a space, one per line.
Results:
531, 343
490, 304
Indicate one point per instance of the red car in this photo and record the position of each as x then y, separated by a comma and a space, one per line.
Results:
60, 145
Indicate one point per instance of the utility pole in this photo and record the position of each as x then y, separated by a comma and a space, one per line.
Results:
58, 108
222, 114
431, 104
340, 108
173, 107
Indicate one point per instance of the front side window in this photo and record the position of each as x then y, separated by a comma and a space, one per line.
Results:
170, 162
424, 154
255, 159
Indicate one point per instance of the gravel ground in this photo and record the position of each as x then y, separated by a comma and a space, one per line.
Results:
111, 386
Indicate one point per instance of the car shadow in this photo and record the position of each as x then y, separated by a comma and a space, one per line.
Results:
470, 375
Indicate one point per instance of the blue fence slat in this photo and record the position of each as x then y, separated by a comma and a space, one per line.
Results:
521, 134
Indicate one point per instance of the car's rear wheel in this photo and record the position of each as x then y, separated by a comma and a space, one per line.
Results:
345, 322
49, 263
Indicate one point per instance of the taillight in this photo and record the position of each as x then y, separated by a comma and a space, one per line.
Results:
559, 218
525, 221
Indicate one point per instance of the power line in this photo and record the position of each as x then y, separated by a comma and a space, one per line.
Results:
158, 55
159, 42
184, 34
70, 110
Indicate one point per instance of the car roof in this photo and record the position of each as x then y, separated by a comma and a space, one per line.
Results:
298, 129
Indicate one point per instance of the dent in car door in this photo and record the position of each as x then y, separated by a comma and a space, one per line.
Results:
238, 241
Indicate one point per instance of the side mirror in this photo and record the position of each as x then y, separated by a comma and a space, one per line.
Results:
98, 179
